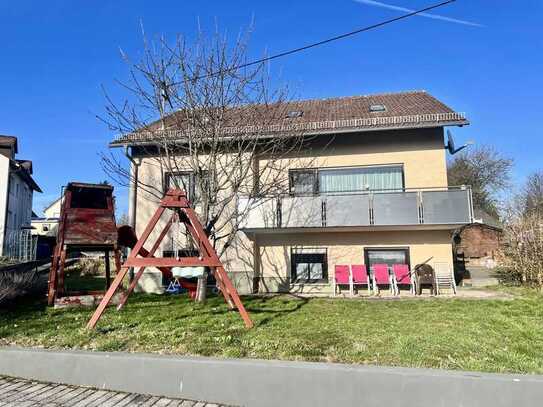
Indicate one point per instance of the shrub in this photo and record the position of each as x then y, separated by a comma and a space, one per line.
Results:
522, 253
91, 267
15, 284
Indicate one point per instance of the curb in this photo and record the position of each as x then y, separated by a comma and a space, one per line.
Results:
247, 382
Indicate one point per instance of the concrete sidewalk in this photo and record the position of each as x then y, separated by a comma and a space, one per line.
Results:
246, 382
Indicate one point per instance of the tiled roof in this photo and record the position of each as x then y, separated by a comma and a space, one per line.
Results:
19, 167
401, 110
8, 141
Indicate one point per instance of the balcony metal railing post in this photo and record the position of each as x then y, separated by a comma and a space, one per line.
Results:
370, 204
421, 206
323, 212
470, 202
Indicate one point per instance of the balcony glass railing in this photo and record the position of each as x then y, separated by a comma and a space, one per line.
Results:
430, 206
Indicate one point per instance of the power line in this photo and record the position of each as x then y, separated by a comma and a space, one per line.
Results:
326, 41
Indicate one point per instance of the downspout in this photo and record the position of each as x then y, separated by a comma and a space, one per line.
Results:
132, 197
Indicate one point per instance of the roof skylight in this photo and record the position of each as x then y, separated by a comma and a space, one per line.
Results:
295, 113
378, 108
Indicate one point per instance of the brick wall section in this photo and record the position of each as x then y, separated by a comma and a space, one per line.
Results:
478, 241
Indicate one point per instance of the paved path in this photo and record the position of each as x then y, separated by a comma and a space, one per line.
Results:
26, 393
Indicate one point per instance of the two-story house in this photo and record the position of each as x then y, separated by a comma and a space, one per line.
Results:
16, 191
47, 225
375, 192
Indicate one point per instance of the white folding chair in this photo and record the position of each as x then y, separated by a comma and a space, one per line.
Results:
444, 276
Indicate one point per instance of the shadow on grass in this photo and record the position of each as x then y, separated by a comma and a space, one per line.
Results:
276, 313
265, 309
215, 306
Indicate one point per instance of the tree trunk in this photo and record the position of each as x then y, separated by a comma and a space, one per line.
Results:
201, 289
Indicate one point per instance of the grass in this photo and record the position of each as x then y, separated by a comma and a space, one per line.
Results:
78, 282
466, 334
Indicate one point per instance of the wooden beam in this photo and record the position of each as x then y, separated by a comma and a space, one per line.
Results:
107, 298
108, 271
140, 271
170, 262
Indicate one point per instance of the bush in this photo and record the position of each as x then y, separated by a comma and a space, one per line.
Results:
15, 284
508, 276
522, 253
91, 267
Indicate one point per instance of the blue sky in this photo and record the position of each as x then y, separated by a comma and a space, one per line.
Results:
55, 55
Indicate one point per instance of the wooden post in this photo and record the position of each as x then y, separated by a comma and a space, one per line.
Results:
107, 298
235, 297
52, 284
119, 278
140, 271
108, 271
62, 263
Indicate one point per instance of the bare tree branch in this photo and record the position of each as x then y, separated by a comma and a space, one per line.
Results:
206, 124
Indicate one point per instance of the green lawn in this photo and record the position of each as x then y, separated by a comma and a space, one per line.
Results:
466, 334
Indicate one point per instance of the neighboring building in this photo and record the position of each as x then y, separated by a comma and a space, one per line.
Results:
16, 191
478, 245
48, 224
44, 226
376, 192
52, 210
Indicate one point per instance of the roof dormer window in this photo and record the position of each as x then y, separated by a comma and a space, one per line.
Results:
377, 108
294, 113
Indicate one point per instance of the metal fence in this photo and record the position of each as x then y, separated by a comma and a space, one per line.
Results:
20, 245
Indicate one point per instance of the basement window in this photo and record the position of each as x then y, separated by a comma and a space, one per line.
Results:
377, 108
309, 265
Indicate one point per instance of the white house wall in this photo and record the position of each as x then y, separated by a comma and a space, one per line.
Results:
4, 182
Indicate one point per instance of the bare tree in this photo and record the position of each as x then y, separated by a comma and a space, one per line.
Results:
488, 173
522, 253
223, 130
531, 196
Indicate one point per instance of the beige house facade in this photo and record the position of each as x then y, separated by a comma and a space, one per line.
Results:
375, 190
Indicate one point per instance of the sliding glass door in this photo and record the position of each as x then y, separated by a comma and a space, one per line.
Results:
347, 179
361, 179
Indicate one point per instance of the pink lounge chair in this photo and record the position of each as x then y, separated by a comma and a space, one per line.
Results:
401, 276
380, 276
342, 276
360, 275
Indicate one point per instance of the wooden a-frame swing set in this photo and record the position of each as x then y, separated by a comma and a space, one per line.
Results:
175, 200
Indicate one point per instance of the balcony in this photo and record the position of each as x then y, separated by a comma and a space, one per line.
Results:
423, 208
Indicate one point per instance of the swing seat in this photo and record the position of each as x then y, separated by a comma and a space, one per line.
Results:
188, 272
174, 287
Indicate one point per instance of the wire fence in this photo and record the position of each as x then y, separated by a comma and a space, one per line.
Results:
20, 245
